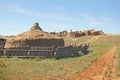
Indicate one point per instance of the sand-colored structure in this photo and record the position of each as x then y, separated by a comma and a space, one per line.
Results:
35, 37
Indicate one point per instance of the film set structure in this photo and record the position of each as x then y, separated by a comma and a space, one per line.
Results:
38, 43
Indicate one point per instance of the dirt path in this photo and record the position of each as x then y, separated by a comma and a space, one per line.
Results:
102, 69
93, 39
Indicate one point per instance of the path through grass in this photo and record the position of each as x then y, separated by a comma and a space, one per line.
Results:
30, 69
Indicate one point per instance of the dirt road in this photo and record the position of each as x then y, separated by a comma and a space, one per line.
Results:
93, 39
103, 68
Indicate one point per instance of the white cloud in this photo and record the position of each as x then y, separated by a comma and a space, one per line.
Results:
20, 10
106, 19
82, 18
16, 9
90, 19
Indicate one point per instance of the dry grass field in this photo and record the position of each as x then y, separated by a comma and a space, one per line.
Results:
103, 49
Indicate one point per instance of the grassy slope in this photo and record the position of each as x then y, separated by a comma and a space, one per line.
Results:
79, 40
31, 69
114, 39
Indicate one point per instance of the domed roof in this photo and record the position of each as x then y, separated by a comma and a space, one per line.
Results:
34, 33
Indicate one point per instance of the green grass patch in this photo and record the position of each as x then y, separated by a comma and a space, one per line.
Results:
2, 66
118, 64
37, 68
113, 39
118, 74
108, 73
38, 59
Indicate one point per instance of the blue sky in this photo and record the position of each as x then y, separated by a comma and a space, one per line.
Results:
17, 16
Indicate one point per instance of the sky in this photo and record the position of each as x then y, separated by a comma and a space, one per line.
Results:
17, 16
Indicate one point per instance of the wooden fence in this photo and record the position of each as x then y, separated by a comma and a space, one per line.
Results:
71, 51
1, 52
45, 52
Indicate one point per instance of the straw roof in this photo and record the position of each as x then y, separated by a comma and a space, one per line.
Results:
33, 34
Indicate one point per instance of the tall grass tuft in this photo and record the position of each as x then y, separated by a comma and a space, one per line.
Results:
38, 59
2, 65
118, 64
